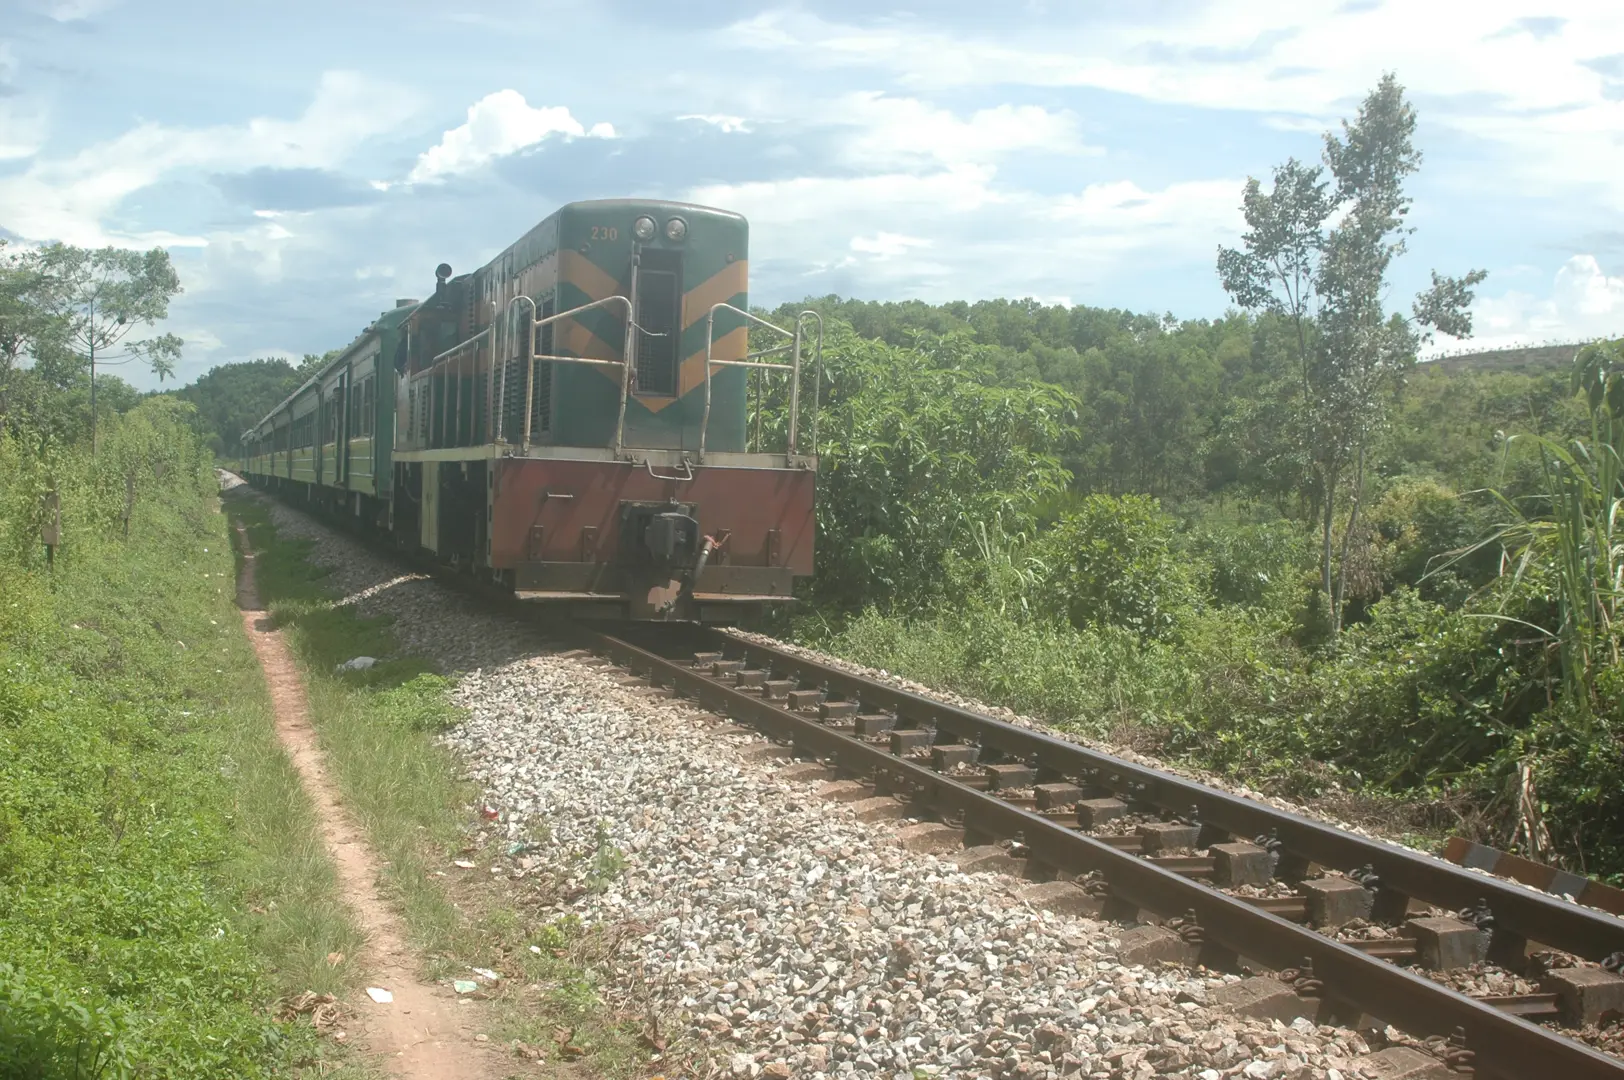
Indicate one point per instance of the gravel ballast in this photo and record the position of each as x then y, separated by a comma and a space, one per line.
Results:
791, 938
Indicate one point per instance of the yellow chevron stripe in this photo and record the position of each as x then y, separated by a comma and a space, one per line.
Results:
578, 340
730, 346
586, 275
570, 336
720, 288
691, 376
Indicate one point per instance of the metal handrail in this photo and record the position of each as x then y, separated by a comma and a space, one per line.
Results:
710, 341
529, 388
628, 353
624, 364
490, 383
752, 360
687, 469
817, 373
457, 348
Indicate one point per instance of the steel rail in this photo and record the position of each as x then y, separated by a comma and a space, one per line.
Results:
1536, 916
1502, 1044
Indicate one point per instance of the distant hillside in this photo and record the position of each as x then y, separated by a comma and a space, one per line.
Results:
1523, 358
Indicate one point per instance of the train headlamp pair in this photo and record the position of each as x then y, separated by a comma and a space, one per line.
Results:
675, 229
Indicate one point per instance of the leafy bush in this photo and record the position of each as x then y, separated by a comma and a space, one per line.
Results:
1252, 563
920, 446
1113, 562
1412, 531
47, 1034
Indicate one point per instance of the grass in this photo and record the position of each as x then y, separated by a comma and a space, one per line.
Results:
378, 732
162, 883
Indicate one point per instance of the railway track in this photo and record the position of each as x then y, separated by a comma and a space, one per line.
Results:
1051, 803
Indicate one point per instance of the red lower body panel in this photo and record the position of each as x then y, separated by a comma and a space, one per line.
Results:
567, 531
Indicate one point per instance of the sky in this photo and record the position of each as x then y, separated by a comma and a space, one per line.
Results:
308, 163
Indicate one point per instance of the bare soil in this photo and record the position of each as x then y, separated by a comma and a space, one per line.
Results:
424, 1033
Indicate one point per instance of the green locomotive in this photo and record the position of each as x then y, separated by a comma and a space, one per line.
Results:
571, 419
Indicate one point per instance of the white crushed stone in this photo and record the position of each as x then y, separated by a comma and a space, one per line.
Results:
790, 937
794, 936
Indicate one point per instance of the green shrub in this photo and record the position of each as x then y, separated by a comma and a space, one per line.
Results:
1252, 563
918, 447
48, 1034
1113, 563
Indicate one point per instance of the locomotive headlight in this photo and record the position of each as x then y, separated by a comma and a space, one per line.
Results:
676, 229
643, 228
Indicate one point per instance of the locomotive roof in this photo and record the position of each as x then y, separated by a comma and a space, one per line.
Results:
604, 204
529, 239
541, 239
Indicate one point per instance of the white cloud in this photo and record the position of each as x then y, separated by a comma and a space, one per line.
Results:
1119, 216
981, 239
257, 252
891, 131
68, 199
22, 122
886, 245
814, 200
907, 176
199, 339
728, 124
1584, 303
498, 124
22, 131
1555, 121
75, 10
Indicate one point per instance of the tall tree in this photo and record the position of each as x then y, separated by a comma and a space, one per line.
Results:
105, 294
27, 327
1330, 281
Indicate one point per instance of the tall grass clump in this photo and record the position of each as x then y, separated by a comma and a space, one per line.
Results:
1575, 527
1562, 581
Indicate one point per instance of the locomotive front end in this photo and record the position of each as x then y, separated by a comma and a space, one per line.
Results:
636, 460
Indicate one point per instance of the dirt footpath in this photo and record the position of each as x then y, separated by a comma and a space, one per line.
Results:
422, 1033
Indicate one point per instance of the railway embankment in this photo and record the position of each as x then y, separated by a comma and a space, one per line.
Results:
163, 892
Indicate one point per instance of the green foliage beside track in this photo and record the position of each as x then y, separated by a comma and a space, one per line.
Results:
1186, 619
918, 445
160, 876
